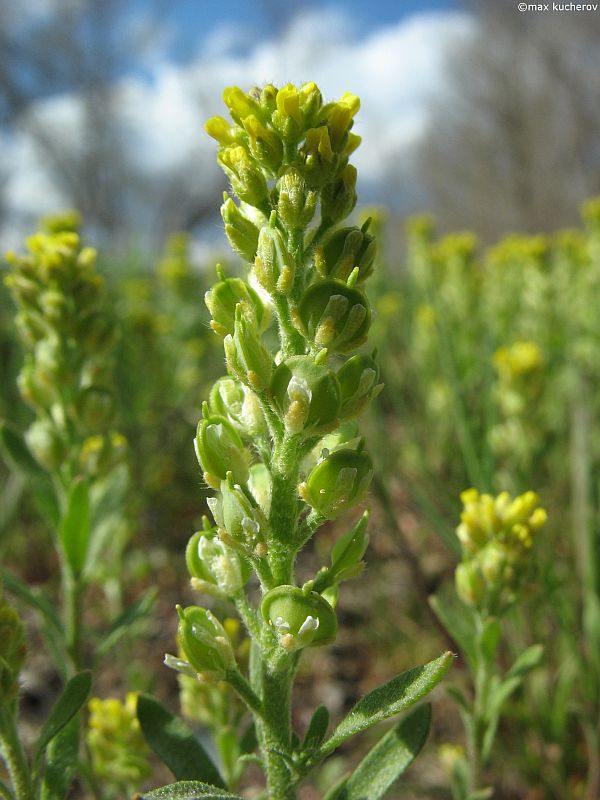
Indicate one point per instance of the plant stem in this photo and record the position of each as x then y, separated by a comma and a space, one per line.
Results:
477, 724
73, 590
14, 756
283, 519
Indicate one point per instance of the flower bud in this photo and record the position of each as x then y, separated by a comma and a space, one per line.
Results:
334, 315
265, 145
346, 249
210, 560
299, 619
247, 180
274, 266
348, 551
220, 450
221, 130
297, 204
318, 157
32, 390
241, 232
307, 395
358, 382
245, 355
339, 118
224, 298
46, 444
203, 640
287, 119
311, 101
339, 482
226, 399
339, 198
239, 103
259, 484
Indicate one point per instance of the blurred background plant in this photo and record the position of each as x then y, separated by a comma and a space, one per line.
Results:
488, 339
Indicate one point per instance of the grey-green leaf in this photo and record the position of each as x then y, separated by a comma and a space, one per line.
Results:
68, 704
389, 759
74, 529
61, 758
175, 744
317, 729
189, 790
390, 699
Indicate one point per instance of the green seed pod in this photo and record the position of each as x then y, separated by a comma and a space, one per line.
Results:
247, 180
243, 522
346, 249
296, 205
241, 232
259, 484
273, 266
224, 298
335, 316
358, 381
299, 619
96, 408
339, 198
265, 145
245, 355
339, 482
46, 444
203, 641
226, 399
220, 450
210, 560
348, 551
307, 395
32, 391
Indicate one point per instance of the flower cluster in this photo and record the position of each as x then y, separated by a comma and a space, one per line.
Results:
497, 535
260, 443
120, 755
66, 377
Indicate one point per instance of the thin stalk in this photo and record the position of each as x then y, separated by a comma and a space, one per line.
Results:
292, 342
14, 757
237, 681
283, 518
477, 724
275, 732
73, 591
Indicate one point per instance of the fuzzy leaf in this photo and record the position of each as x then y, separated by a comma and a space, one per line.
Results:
68, 704
189, 790
74, 529
389, 759
393, 697
317, 729
175, 744
19, 457
61, 758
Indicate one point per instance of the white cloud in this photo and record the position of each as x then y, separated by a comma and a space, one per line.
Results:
394, 70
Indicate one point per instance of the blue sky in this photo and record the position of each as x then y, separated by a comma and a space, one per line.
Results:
192, 22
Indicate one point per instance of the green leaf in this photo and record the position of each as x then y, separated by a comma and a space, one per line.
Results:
68, 704
189, 790
389, 699
489, 639
459, 621
39, 483
74, 530
528, 660
132, 614
389, 759
51, 626
175, 744
317, 728
61, 758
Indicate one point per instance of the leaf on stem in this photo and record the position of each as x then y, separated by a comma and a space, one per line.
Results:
389, 759
61, 758
122, 624
393, 697
175, 744
68, 704
317, 729
74, 529
189, 790
459, 621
